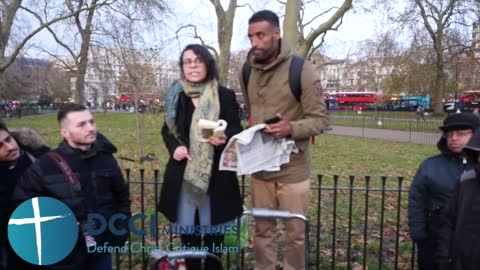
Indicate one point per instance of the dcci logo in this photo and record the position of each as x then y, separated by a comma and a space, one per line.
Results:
43, 231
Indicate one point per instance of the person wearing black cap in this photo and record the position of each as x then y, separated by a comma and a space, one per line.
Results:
435, 182
459, 234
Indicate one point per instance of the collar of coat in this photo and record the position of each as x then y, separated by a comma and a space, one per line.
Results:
102, 144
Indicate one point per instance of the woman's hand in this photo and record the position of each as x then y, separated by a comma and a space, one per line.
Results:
218, 139
181, 153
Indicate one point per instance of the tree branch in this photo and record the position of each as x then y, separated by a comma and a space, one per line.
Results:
328, 25
16, 51
65, 46
196, 36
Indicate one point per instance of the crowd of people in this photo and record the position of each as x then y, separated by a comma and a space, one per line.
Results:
83, 173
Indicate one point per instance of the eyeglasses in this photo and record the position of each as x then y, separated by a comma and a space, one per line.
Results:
196, 61
459, 133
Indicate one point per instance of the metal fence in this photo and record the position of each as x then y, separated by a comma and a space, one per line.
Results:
355, 223
381, 127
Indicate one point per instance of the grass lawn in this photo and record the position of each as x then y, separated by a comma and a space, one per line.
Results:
331, 155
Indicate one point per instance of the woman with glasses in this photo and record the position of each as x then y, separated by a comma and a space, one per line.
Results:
199, 200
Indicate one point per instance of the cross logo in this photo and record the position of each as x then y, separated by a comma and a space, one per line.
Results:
42, 231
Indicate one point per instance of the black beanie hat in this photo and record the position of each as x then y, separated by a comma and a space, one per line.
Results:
464, 120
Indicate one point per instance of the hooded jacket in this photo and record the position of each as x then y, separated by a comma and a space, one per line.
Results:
460, 225
269, 93
432, 187
103, 190
31, 146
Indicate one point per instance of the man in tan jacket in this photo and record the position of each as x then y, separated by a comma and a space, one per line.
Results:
268, 94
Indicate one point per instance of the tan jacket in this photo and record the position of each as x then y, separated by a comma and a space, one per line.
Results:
269, 93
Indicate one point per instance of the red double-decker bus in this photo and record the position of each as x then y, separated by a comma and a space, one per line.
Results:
357, 101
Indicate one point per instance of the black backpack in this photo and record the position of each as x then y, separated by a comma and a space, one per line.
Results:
294, 76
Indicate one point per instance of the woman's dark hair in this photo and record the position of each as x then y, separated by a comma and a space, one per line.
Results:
206, 57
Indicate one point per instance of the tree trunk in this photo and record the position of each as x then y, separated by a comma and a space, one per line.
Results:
86, 34
6, 24
439, 83
293, 26
225, 26
224, 35
290, 24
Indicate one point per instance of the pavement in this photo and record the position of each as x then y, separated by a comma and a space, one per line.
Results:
386, 134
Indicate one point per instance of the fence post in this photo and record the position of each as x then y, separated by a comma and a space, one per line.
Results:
156, 173
128, 174
334, 225
382, 218
365, 222
142, 199
410, 132
319, 207
350, 210
399, 202
363, 126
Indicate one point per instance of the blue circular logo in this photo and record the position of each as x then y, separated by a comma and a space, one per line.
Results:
43, 231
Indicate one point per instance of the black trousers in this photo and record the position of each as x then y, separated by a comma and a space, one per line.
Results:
425, 253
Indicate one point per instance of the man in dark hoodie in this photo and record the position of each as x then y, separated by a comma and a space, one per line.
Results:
435, 182
459, 237
18, 150
95, 184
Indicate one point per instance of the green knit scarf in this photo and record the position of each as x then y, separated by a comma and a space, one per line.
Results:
199, 169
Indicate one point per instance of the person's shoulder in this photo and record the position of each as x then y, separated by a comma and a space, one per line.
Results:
434, 159
468, 175
224, 91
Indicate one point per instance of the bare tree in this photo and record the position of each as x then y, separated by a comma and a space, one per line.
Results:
439, 18
85, 30
293, 29
294, 26
137, 76
10, 10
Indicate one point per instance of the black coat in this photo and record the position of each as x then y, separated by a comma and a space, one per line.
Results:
460, 225
224, 192
103, 191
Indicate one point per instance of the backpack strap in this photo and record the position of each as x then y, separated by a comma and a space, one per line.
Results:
246, 70
295, 76
67, 171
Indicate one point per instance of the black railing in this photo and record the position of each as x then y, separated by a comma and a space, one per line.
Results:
381, 127
355, 222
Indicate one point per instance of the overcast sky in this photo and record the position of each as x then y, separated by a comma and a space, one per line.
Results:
357, 26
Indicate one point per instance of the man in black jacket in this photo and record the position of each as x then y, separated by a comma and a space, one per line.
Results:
435, 182
100, 188
18, 150
459, 237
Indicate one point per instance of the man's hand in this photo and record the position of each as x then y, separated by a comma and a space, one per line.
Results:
218, 139
281, 129
181, 153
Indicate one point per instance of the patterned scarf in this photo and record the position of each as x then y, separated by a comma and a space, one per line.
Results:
199, 169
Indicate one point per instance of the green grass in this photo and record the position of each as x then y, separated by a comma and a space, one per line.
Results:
331, 155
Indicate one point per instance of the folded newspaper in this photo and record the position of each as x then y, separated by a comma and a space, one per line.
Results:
253, 150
